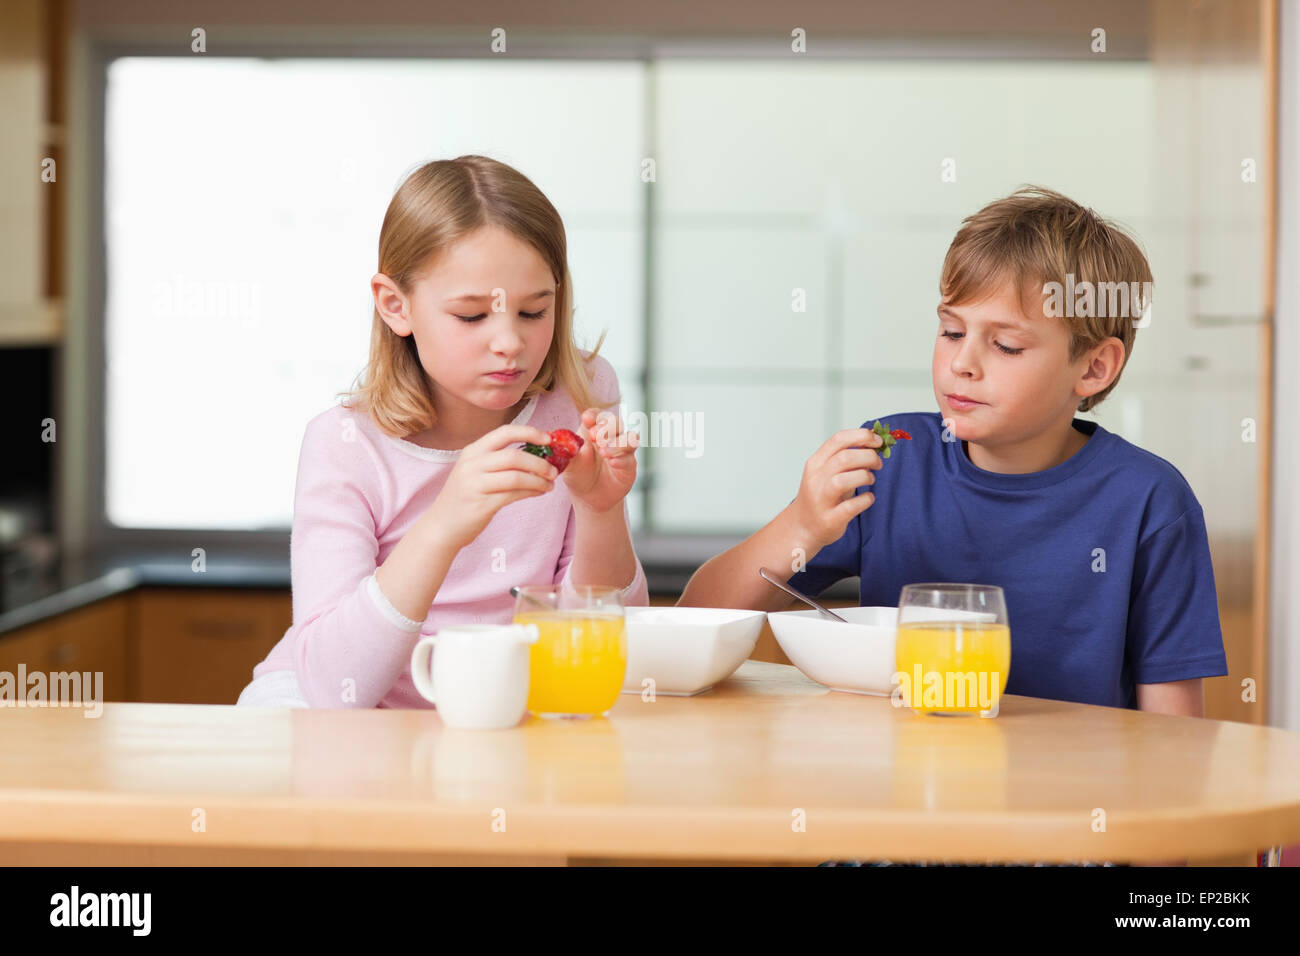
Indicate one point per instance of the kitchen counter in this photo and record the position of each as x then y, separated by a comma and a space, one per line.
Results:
84, 582
93, 579
769, 766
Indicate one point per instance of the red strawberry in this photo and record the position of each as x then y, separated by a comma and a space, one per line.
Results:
899, 433
563, 448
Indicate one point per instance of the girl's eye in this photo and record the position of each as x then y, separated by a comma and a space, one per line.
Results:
483, 315
1002, 348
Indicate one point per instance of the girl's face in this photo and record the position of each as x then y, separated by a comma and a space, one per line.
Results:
486, 306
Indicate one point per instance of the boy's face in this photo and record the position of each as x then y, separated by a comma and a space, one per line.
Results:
1015, 368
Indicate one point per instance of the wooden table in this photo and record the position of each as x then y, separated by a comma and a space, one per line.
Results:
767, 767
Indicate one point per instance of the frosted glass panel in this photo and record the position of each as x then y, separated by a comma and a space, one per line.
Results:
243, 204
774, 174
731, 477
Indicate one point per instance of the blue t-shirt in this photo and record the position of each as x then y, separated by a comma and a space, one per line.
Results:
1104, 559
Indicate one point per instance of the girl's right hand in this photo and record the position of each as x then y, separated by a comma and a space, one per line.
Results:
826, 502
487, 477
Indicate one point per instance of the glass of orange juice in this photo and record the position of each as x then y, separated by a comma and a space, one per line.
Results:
954, 648
578, 663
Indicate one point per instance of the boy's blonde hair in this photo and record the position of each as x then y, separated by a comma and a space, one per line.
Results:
436, 205
1036, 236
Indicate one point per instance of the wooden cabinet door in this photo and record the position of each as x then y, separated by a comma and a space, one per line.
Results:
200, 645
89, 639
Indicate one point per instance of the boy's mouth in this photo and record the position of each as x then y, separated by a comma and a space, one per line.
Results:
962, 402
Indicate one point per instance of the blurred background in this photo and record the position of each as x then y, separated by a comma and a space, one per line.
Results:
191, 222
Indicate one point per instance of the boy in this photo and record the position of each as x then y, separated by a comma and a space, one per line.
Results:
1099, 546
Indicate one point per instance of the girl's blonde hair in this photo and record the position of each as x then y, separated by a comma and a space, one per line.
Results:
435, 206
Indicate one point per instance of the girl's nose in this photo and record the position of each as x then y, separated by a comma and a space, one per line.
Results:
506, 340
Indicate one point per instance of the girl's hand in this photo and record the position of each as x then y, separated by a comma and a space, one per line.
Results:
604, 470
487, 477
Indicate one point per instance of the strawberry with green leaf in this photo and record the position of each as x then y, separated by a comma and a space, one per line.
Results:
563, 448
889, 437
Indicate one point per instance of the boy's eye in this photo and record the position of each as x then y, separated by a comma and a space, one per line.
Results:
1002, 348
534, 315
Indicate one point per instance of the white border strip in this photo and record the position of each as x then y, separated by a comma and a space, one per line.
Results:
1284, 583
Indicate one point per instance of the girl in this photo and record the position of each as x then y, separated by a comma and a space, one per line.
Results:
415, 509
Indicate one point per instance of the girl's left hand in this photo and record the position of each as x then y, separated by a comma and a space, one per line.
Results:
604, 470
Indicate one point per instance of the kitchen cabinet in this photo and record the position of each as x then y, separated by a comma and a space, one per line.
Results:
29, 314
158, 645
199, 645
91, 639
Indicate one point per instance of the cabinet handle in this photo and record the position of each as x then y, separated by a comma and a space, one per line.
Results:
62, 653
215, 627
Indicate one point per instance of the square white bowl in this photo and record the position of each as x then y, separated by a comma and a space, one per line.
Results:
686, 650
857, 657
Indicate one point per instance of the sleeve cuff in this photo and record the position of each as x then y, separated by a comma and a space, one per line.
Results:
390, 613
1212, 665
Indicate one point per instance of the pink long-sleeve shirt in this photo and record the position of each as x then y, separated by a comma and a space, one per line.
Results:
358, 492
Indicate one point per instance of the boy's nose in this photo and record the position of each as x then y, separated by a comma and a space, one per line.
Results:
964, 365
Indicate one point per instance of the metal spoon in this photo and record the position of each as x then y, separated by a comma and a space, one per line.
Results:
771, 578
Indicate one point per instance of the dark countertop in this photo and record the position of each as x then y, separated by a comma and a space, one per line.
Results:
85, 581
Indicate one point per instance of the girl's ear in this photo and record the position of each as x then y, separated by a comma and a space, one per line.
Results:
391, 304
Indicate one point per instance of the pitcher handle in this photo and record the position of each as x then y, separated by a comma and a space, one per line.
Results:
420, 658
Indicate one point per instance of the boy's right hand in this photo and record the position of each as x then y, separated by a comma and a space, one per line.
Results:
826, 503
487, 477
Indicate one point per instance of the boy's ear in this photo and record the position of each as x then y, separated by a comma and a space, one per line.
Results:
1101, 364
390, 303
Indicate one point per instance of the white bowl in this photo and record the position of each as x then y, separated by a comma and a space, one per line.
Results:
857, 657
686, 650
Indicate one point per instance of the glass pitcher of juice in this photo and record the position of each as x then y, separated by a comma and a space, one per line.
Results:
953, 652
577, 665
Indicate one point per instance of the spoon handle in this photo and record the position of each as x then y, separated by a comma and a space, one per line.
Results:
771, 578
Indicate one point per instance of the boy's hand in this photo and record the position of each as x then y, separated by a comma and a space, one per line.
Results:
604, 470
826, 503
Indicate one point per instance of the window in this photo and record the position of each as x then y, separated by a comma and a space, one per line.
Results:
775, 281
243, 202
